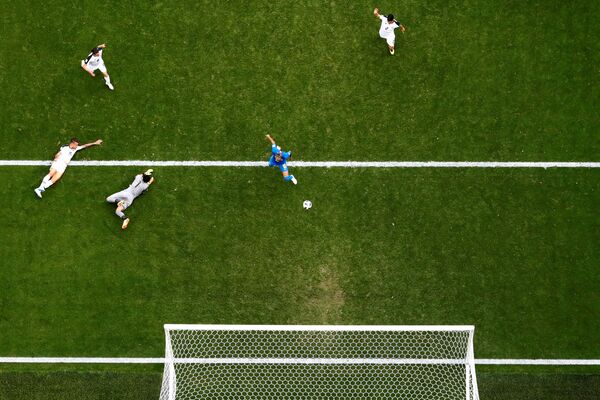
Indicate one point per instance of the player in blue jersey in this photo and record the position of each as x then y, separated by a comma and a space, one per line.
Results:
279, 158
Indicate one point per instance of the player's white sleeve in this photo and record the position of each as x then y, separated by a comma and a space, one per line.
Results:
79, 148
382, 17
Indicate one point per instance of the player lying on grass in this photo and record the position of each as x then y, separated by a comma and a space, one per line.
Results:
94, 61
59, 165
386, 31
125, 198
279, 158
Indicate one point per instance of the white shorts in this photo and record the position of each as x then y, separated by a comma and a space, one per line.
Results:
390, 39
100, 67
59, 166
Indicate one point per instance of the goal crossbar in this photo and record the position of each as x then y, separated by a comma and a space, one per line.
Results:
353, 328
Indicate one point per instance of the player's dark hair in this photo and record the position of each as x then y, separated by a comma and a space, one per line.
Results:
146, 178
74, 139
390, 17
96, 50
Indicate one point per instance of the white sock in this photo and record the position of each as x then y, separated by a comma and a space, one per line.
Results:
45, 185
107, 80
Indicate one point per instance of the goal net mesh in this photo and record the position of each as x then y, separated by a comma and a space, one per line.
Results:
233, 362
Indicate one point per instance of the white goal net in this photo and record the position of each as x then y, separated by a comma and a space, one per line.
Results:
318, 362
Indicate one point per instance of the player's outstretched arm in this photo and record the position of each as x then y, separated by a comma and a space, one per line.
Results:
96, 143
270, 139
102, 46
376, 12
402, 28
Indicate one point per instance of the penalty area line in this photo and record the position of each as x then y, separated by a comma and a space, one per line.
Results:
315, 164
127, 360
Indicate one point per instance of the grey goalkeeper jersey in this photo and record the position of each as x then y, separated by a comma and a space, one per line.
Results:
137, 187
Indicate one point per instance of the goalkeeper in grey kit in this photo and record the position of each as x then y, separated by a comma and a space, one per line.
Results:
125, 198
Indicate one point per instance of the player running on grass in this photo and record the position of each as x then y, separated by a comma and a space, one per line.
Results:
94, 61
59, 165
125, 198
386, 31
279, 158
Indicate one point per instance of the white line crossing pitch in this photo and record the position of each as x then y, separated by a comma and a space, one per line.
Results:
316, 164
127, 360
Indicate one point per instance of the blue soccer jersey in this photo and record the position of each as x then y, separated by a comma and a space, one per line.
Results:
284, 156
277, 150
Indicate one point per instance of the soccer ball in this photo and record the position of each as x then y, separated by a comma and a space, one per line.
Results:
307, 204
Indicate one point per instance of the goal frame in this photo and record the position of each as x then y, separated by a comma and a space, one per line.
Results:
468, 361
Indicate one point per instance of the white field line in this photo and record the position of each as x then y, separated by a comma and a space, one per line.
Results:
125, 360
316, 164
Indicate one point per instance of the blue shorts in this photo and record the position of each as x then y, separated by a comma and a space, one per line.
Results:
282, 167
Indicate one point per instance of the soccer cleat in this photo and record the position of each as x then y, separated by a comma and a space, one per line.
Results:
294, 180
110, 86
392, 51
125, 223
38, 192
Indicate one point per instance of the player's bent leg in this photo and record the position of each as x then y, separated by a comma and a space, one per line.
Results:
55, 177
292, 179
288, 177
46, 181
104, 71
120, 213
391, 41
120, 207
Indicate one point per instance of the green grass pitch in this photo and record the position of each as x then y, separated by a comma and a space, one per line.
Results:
514, 252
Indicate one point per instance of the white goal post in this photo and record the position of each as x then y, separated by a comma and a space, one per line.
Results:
318, 362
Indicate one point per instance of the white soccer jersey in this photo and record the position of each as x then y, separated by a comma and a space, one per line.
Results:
66, 153
93, 61
387, 30
138, 186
